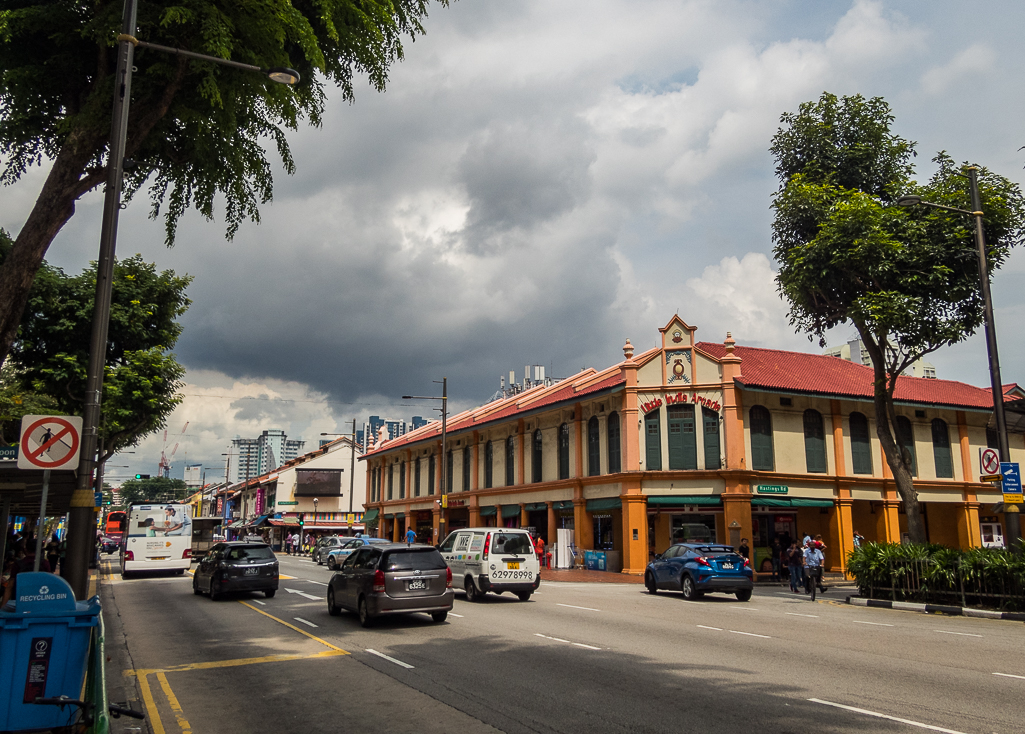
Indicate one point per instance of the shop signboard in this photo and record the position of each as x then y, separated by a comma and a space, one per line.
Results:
1012, 482
8, 453
594, 560
286, 502
773, 489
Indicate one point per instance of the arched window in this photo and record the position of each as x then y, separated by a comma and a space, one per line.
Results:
593, 448
761, 439
612, 435
861, 444
489, 460
906, 439
431, 468
653, 441
814, 442
402, 480
683, 444
466, 469
449, 471
535, 458
713, 450
510, 461
564, 451
391, 482
941, 449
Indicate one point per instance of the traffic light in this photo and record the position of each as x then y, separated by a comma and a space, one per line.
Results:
142, 476
302, 519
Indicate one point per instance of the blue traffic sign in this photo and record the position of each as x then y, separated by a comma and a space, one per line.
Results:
1012, 477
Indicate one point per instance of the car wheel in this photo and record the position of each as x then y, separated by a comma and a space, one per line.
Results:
333, 609
331, 563
523, 595
649, 583
364, 614
472, 594
195, 587
744, 595
687, 587
439, 616
215, 593
269, 593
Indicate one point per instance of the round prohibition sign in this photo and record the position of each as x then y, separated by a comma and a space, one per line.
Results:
55, 439
990, 462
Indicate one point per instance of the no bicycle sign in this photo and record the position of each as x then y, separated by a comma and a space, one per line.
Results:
49, 441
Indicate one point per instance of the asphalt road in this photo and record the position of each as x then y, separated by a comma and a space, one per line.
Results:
575, 658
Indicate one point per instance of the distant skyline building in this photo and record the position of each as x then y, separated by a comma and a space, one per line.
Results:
854, 351
194, 476
255, 456
393, 428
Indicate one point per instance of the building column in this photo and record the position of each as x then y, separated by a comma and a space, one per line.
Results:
583, 530
968, 530
841, 533
552, 536
737, 516
409, 523
635, 533
475, 512
888, 521
435, 517
395, 530
578, 417
524, 515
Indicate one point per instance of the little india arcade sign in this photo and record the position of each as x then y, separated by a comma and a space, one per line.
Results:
681, 398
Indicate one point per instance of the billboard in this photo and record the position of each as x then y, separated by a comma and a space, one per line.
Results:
194, 475
318, 482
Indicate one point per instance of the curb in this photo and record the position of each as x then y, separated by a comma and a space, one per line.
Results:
935, 608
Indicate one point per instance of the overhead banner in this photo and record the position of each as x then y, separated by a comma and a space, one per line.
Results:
318, 483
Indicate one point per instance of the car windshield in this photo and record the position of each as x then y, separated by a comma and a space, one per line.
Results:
716, 550
510, 543
251, 553
427, 559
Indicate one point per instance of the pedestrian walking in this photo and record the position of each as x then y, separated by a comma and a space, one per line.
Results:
776, 550
795, 561
813, 560
858, 539
410, 536
744, 549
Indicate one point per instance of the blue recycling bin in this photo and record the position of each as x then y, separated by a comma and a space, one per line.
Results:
44, 647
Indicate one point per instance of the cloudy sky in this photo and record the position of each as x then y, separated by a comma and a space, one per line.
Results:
541, 180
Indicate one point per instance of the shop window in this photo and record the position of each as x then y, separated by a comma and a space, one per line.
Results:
761, 439
906, 440
431, 469
604, 532
466, 469
861, 444
653, 441
373, 485
391, 482
689, 528
814, 442
612, 434
510, 461
489, 460
402, 480
683, 446
535, 458
713, 450
593, 448
564, 451
941, 449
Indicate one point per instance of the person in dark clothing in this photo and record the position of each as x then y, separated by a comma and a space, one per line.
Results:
776, 550
744, 549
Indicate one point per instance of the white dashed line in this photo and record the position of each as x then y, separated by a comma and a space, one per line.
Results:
571, 606
305, 621
318, 583
874, 624
568, 642
750, 634
963, 634
797, 614
261, 603
389, 658
717, 629
1008, 675
453, 614
744, 609
884, 716
589, 647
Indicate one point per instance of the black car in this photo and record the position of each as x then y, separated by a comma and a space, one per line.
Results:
694, 568
236, 566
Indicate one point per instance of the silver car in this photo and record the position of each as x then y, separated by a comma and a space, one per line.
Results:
336, 555
324, 546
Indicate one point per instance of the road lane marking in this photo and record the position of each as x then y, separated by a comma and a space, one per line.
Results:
456, 615
176, 708
919, 724
389, 658
589, 647
557, 639
261, 603
750, 634
303, 593
797, 614
571, 606
292, 626
152, 715
1008, 675
744, 609
874, 624
963, 634
305, 621
319, 583
568, 642
717, 629
688, 601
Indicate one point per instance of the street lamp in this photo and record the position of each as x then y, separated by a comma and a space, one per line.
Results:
80, 518
444, 451
1010, 511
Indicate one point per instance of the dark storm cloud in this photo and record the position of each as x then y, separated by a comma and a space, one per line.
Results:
263, 408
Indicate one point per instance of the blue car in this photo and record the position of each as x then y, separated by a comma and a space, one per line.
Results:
337, 555
694, 568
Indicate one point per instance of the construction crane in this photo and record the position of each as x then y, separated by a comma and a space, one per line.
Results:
164, 467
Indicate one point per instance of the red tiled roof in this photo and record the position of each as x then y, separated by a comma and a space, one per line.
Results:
775, 369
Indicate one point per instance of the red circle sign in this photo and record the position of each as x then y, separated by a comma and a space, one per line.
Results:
63, 436
990, 461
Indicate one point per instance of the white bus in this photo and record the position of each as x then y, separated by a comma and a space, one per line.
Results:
158, 537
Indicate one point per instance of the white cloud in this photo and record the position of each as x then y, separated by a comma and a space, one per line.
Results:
975, 60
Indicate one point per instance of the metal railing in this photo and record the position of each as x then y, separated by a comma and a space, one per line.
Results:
924, 580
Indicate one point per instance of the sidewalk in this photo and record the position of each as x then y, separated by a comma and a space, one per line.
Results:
583, 575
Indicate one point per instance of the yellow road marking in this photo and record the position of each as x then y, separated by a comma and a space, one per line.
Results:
179, 715
284, 657
151, 707
292, 626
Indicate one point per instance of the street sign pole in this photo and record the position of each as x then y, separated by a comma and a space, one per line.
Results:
42, 522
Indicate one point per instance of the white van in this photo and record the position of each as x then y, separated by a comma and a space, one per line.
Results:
492, 559
158, 537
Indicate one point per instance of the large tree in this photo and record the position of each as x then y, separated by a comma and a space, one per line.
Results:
197, 131
155, 489
141, 377
907, 279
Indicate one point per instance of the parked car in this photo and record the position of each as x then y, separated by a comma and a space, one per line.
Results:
336, 555
109, 545
325, 545
392, 578
236, 566
492, 559
696, 568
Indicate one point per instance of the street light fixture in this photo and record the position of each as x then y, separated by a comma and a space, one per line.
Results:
81, 516
1011, 514
444, 450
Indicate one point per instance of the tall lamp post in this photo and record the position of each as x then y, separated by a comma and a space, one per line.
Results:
444, 450
81, 517
1011, 514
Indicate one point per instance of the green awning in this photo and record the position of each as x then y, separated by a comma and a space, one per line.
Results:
536, 506
682, 500
510, 510
389, 516
488, 511
371, 515
802, 502
604, 503
789, 502
563, 505
399, 515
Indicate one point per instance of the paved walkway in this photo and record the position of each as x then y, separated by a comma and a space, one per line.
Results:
608, 577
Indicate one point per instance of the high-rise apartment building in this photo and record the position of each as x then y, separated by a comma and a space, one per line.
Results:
392, 428
255, 456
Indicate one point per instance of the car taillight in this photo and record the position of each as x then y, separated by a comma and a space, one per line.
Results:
702, 561
487, 545
747, 563
129, 556
378, 580
448, 578
187, 553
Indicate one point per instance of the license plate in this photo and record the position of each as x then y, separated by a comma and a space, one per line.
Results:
416, 584
727, 565
159, 558
512, 566
252, 571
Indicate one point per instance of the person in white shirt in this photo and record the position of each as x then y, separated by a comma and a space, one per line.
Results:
813, 560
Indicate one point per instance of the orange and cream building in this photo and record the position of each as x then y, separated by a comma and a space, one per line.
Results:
698, 440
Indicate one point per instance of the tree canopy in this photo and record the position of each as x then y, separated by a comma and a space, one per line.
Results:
906, 278
156, 489
197, 131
